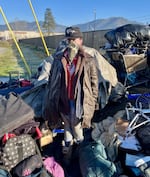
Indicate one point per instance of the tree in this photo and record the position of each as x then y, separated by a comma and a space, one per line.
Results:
49, 22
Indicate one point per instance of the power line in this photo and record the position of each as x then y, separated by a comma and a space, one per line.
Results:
140, 18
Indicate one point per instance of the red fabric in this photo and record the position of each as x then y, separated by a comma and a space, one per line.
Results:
70, 77
25, 83
7, 136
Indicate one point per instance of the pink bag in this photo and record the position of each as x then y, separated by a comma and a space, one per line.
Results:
53, 167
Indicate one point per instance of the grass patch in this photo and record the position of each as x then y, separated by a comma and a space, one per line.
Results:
33, 56
4, 44
11, 60
8, 62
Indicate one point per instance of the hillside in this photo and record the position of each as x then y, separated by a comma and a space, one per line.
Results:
99, 24
103, 24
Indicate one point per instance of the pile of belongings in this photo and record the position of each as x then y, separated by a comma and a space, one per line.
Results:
98, 154
109, 89
21, 138
127, 50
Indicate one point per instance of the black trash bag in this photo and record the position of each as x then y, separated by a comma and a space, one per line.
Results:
148, 56
143, 136
130, 33
28, 166
117, 92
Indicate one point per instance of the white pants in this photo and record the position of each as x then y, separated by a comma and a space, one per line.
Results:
72, 126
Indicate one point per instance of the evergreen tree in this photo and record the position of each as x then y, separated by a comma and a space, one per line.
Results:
49, 22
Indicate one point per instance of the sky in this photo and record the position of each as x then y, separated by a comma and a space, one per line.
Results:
67, 12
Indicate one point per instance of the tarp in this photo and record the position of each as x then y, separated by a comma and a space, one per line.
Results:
129, 33
107, 71
14, 112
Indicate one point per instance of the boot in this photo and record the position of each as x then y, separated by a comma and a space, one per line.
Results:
67, 152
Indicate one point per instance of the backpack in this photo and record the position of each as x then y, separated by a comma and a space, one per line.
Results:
21, 156
94, 162
17, 149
